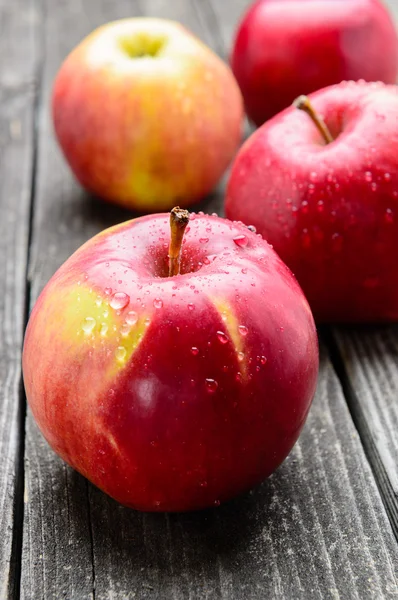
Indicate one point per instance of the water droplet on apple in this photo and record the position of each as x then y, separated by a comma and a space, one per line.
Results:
241, 240
238, 377
104, 329
206, 261
244, 271
98, 301
389, 216
263, 360
125, 329
108, 291
194, 350
88, 325
147, 322
243, 330
368, 176
217, 502
131, 317
106, 313
203, 484
337, 242
374, 186
158, 303
241, 356
252, 228
211, 385
305, 239
387, 177
203, 240
313, 176
190, 306
221, 337
119, 300
320, 206
120, 353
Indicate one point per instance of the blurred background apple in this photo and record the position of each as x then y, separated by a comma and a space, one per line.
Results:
146, 114
284, 48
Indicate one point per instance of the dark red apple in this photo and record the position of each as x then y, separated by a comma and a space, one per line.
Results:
329, 209
284, 48
172, 392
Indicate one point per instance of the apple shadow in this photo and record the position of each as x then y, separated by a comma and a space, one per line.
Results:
100, 214
105, 214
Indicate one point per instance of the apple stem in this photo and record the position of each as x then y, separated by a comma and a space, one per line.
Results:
303, 103
179, 219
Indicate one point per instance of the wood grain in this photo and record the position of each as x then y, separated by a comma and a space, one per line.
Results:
316, 529
17, 77
367, 360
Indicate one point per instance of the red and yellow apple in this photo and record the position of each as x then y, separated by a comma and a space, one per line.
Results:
172, 393
147, 116
329, 206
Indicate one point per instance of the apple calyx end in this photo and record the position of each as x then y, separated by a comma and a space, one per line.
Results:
303, 103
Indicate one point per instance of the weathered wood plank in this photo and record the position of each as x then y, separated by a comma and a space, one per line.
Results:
316, 529
18, 57
367, 360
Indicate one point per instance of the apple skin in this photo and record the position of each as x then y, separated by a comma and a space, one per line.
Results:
330, 211
147, 132
284, 48
216, 378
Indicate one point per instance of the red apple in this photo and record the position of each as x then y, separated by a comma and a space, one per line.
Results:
284, 48
172, 392
147, 116
329, 209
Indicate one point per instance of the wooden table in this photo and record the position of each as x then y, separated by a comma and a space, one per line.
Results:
323, 526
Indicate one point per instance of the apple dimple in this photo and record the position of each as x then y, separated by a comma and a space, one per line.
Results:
142, 45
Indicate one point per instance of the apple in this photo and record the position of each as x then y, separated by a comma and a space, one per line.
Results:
172, 384
146, 115
329, 207
284, 48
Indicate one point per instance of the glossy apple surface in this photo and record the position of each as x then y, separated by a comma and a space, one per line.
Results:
330, 211
147, 116
284, 48
172, 393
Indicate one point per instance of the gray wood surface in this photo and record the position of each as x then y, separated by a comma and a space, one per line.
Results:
316, 529
17, 75
367, 360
